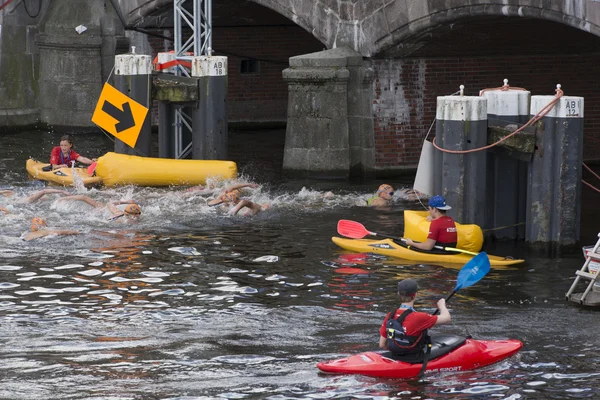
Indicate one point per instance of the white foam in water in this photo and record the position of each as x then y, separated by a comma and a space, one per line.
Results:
146, 252
269, 259
188, 251
70, 266
91, 272
96, 263
9, 268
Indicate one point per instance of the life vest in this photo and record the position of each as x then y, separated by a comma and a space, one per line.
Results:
398, 341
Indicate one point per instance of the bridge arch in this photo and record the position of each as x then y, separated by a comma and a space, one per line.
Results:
401, 37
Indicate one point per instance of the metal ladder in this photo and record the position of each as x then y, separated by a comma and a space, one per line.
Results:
585, 273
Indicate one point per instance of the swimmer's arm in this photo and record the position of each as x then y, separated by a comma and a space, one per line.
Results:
39, 194
83, 198
239, 186
254, 208
6, 192
378, 202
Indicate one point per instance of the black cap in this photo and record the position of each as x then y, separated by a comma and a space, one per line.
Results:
407, 287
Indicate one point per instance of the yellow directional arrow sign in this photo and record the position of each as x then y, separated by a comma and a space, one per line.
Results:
119, 115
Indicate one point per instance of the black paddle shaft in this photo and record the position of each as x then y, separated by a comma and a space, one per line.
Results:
447, 298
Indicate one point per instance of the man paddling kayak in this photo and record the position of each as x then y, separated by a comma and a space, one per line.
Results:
405, 332
442, 231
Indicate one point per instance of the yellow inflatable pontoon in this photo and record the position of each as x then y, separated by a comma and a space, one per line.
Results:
61, 176
122, 169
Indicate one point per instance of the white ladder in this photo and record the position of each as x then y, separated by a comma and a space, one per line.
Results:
585, 273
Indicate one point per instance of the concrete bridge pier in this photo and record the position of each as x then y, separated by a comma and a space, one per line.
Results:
330, 124
554, 177
74, 65
461, 124
506, 194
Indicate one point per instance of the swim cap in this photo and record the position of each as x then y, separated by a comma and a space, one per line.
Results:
37, 223
232, 197
385, 188
133, 209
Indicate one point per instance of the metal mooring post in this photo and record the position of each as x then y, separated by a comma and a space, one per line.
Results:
209, 119
554, 177
506, 174
461, 124
133, 78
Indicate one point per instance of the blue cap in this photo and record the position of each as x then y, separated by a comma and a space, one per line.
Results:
439, 202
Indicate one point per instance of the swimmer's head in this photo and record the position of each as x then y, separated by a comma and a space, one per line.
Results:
232, 197
385, 190
37, 223
132, 209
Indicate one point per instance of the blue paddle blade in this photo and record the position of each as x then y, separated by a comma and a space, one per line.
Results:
473, 271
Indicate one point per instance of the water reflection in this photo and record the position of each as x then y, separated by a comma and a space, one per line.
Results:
192, 303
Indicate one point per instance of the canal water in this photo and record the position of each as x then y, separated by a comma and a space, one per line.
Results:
191, 303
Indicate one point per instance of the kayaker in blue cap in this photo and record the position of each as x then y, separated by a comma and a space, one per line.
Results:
405, 332
442, 230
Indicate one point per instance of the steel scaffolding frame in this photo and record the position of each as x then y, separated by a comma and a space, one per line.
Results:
199, 21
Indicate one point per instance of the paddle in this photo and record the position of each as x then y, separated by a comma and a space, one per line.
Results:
356, 230
471, 273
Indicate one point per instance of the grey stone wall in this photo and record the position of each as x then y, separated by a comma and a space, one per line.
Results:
19, 70
74, 66
330, 129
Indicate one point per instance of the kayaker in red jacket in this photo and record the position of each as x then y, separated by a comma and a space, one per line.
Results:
64, 155
410, 334
442, 230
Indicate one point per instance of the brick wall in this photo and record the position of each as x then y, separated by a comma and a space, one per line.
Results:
405, 92
260, 96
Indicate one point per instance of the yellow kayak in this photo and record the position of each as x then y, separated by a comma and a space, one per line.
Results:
390, 248
61, 176
122, 169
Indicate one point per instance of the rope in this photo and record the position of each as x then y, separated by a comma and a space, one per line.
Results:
504, 227
591, 186
7, 2
534, 119
38, 10
505, 88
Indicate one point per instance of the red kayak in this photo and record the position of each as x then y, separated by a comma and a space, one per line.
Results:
449, 353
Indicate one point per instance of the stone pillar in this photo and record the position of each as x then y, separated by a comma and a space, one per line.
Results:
507, 175
554, 179
461, 124
133, 78
19, 65
330, 129
209, 119
72, 71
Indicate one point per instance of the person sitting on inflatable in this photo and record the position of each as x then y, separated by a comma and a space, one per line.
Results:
442, 231
64, 155
404, 330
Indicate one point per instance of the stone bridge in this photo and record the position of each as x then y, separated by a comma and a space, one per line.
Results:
388, 27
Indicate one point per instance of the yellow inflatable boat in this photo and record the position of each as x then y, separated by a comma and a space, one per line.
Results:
122, 169
62, 176
388, 247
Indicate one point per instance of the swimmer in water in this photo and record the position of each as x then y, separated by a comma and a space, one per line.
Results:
39, 229
383, 196
230, 196
132, 210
